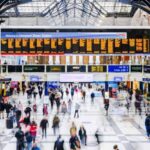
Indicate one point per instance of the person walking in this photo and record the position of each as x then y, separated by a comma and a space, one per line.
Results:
2, 108
55, 125
64, 108
40, 91
29, 140
84, 95
92, 97
77, 107
52, 99
147, 125
33, 130
58, 104
8, 108
59, 143
20, 139
44, 124
69, 107
97, 136
106, 105
74, 141
83, 135
45, 110
72, 92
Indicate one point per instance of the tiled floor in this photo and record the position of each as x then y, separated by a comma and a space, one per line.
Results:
118, 128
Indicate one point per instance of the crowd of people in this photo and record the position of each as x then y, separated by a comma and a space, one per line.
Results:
27, 126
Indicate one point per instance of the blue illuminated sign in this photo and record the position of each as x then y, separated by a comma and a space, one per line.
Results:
34, 78
118, 79
91, 35
146, 79
118, 68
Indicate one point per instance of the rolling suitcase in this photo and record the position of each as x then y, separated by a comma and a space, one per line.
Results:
9, 124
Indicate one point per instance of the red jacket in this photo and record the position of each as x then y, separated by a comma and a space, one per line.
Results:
33, 130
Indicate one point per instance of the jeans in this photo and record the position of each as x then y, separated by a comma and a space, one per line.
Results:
148, 131
29, 146
44, 132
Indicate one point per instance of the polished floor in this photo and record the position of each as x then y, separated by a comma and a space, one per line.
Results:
125, 130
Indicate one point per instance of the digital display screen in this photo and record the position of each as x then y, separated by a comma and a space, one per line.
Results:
89, 41
135, 68
118, 68
17, 68
55, 68
34, 68
97, 68
76, 77
146, 69
76, 68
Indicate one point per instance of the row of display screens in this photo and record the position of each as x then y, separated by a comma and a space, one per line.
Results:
11, 46
76, 68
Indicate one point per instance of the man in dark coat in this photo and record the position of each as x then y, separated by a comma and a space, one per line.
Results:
147, 125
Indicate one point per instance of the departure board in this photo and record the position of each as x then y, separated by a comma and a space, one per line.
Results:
76, 68
55, 68
136, 68
34, 68
146, 69
100, 41
97, 68
118, 68
16, 68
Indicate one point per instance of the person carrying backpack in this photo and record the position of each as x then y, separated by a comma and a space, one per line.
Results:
59, 143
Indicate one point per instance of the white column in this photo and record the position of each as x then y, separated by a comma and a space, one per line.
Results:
74, 59
136, 60
57, 60
80, 60
50, 61
90, 59
67, 60
97, 61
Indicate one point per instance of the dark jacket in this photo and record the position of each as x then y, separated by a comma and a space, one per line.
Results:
74, 143
2, 106
28, 138
147, 121
82, 134
59, 145
19, 136
8, 107
44, 123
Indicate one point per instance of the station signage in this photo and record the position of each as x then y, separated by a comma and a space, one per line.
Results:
29, 42
118, 79
56, 68
118, 68
34, 68
97, 68
136, 68
76, 68
146, 69
16, 68
146, 79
